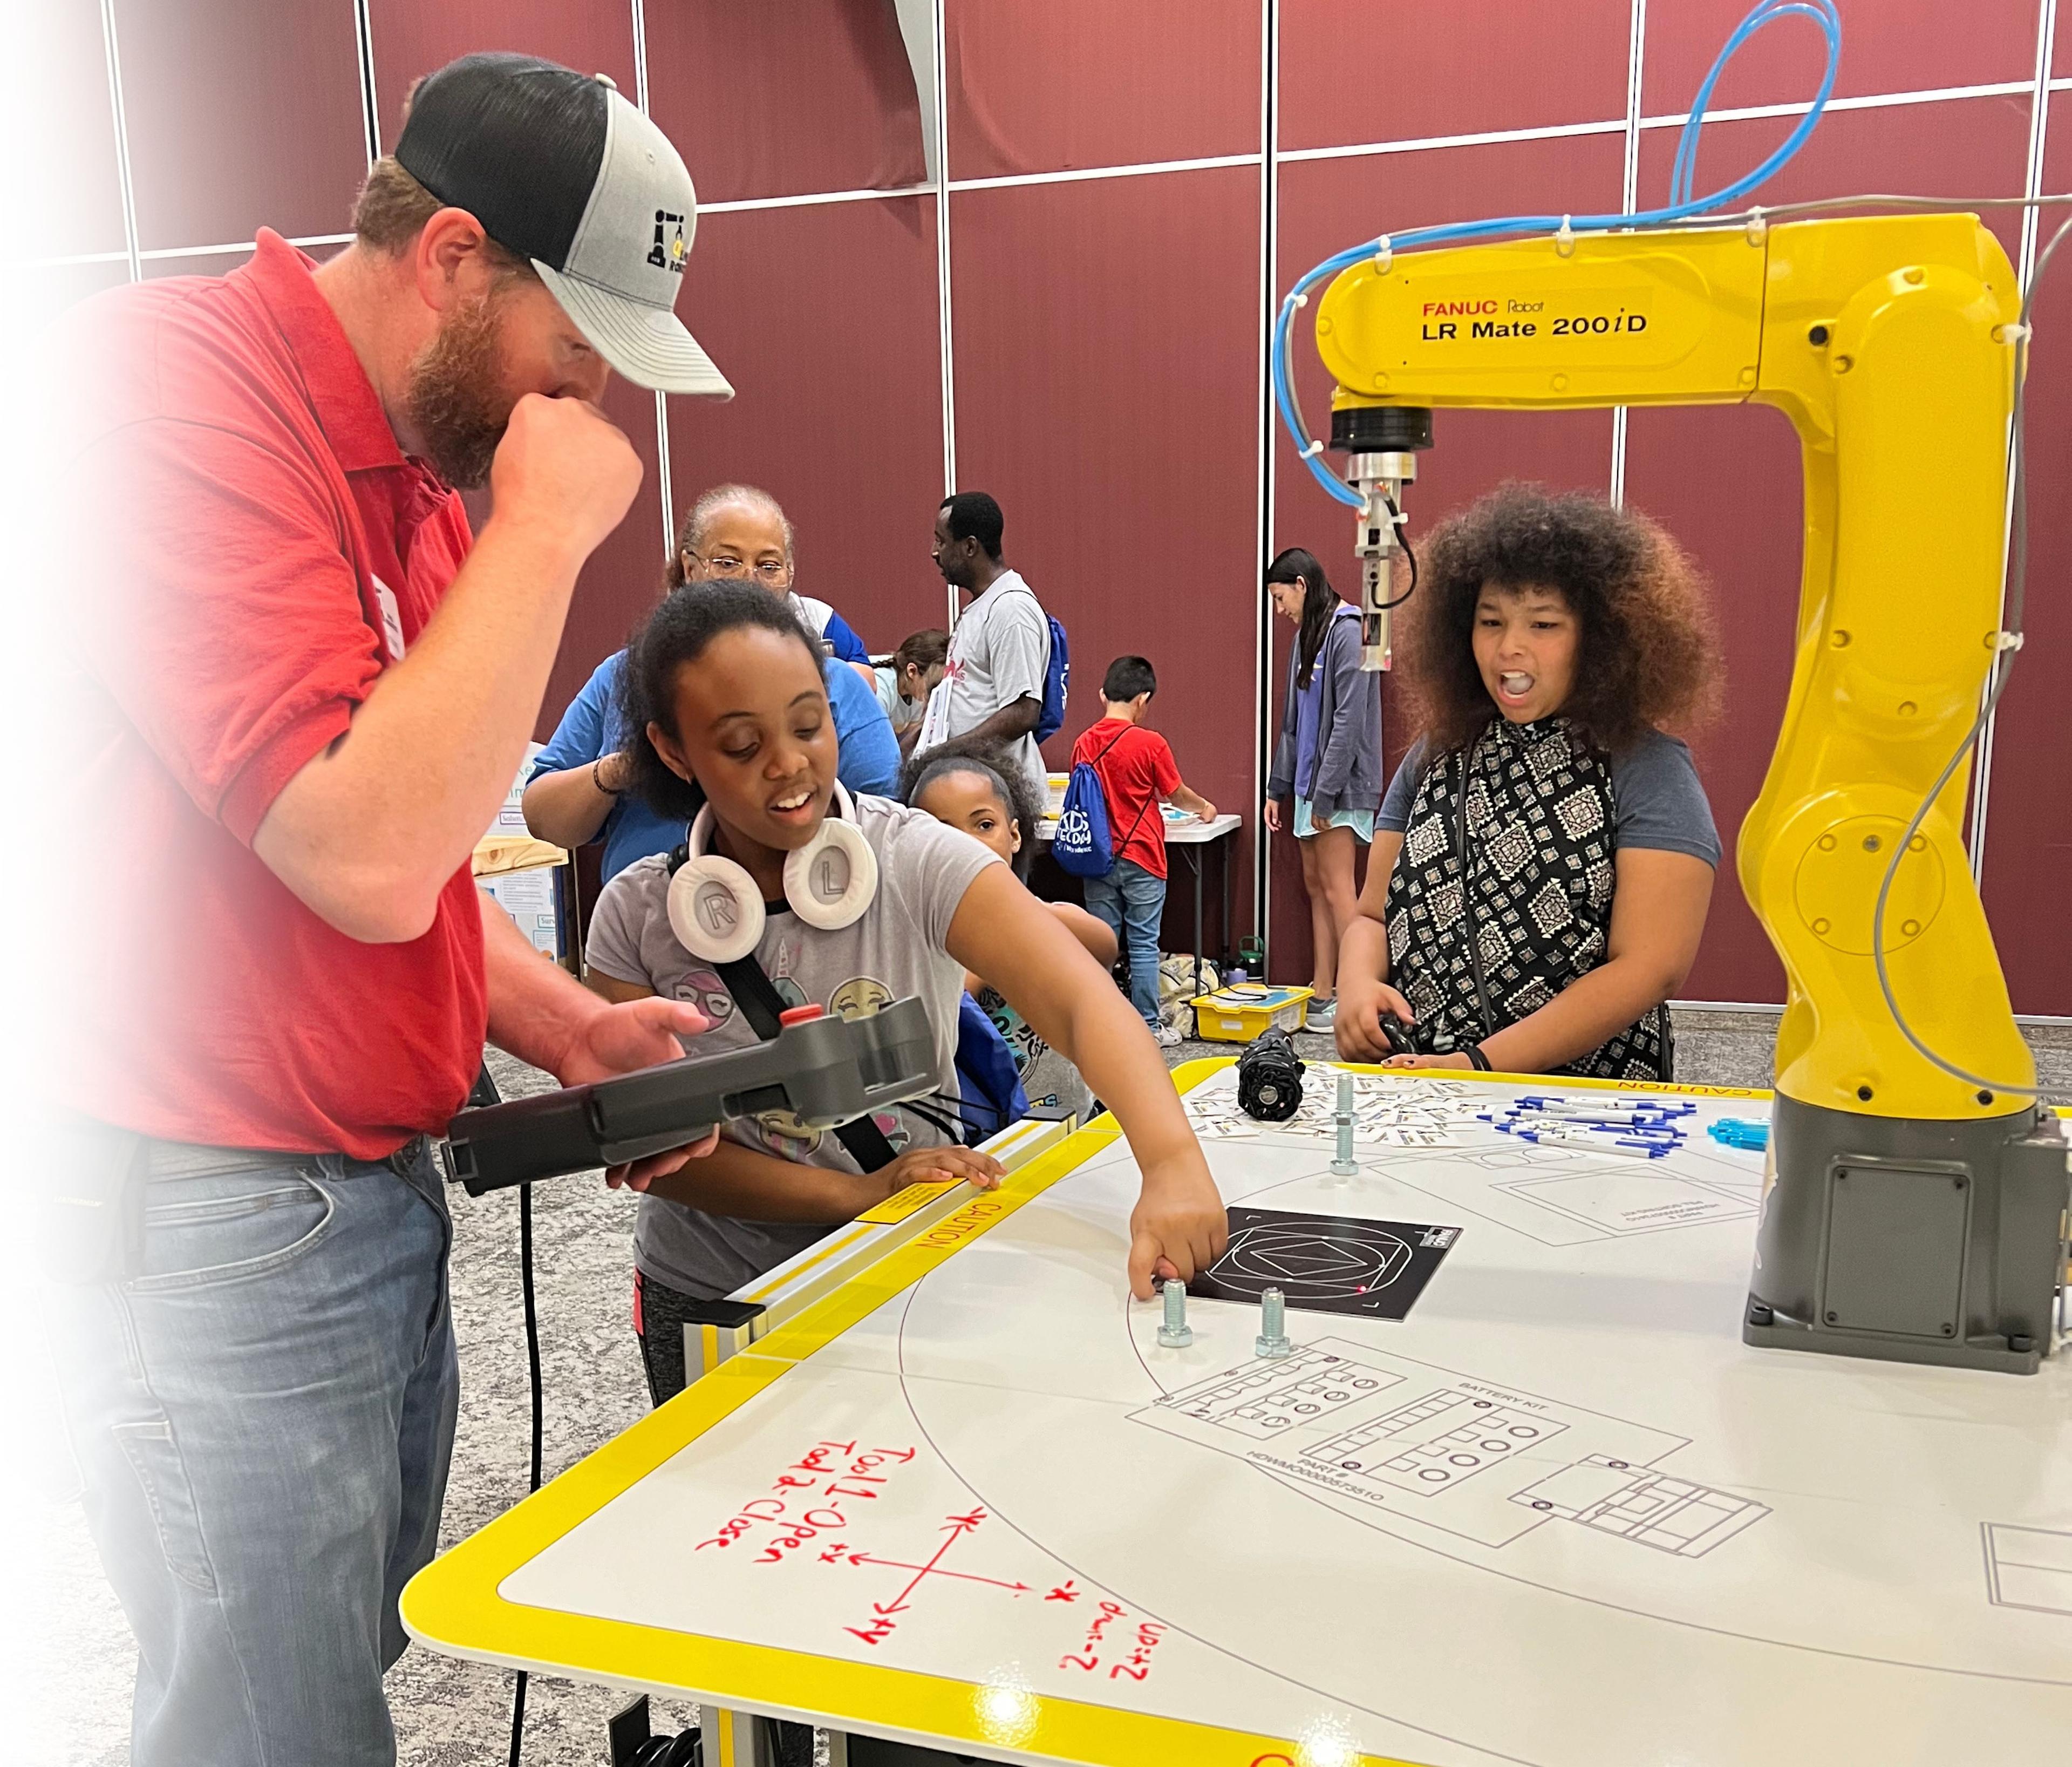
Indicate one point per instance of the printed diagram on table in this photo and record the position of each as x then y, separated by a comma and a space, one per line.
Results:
2028, 1567
1562, 1167
1323, 1263
1404, 1446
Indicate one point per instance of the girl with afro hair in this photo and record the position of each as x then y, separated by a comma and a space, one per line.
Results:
1544, 858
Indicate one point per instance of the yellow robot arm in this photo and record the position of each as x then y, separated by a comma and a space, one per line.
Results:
1885, 342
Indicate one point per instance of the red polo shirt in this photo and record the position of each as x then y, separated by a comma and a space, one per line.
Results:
246, 548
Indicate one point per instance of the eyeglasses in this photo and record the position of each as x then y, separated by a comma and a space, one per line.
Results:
724, 564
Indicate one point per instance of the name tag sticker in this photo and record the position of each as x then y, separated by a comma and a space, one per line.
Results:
392, 619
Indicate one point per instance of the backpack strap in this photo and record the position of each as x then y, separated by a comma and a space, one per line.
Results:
763, 1006
1117, 846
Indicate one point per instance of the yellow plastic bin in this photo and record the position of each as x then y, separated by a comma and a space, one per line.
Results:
1239, 1013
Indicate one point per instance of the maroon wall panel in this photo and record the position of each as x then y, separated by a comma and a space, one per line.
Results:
74, 204
1887, 46
1727, 482
2028, 822
620, 582
1961, 147
411, 39
1076, 83
781, 101
1354, 72
1326, 205
240, 116
1106, 362
824, 318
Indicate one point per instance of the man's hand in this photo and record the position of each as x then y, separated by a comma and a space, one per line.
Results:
1273, 816
1179, 1225
565, 469
1206, 813
617, 1040
1361, 1004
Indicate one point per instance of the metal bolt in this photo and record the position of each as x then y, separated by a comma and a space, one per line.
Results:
1818, 337
1832, 1319
1871, 843
1985, 1097
1176, 1333
1865, 1093
1273, 1340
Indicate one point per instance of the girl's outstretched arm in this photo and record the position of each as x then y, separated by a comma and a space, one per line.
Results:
1002, 932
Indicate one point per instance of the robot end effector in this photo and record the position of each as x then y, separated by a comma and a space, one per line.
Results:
1384, 442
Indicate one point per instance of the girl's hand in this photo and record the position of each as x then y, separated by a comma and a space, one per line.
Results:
1362, 1001
1179, 1225
1273, 815
931, 1165
1456, 1059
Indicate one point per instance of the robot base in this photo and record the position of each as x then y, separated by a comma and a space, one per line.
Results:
1906, 1240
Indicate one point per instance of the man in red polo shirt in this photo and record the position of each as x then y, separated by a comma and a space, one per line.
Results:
303, 694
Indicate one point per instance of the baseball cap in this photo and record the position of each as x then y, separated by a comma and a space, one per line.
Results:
561, 170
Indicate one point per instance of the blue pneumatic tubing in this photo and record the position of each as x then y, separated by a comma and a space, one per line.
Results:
1682, 206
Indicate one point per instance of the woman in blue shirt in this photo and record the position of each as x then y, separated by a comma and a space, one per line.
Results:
577, 792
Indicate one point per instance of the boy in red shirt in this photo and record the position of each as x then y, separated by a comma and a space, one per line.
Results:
1137, 772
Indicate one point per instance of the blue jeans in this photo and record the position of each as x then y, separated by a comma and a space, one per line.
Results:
263, 1418
1131, 902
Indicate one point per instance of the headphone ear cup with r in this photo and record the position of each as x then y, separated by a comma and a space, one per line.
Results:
715, 909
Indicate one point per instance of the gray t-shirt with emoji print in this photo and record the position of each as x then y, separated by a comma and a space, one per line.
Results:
895, 950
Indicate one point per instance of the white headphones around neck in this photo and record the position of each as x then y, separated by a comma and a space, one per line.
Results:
716, 910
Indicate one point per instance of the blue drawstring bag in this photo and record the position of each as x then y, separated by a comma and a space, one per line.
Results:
1082, 846
988, 1082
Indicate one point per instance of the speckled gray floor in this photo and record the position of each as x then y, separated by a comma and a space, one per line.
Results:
448, 1713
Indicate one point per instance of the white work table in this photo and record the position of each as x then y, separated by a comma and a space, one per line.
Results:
1191, 834
1559, 1514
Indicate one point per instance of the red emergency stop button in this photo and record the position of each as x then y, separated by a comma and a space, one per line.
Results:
804, 1015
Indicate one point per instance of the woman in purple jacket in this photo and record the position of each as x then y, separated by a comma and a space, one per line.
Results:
1329, 760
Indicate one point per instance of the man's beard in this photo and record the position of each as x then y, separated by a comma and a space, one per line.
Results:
457, 402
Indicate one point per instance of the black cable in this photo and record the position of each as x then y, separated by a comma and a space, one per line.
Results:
2000, 672
533, 1369
1402, 540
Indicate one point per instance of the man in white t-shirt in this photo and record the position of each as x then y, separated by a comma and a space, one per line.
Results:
992, 684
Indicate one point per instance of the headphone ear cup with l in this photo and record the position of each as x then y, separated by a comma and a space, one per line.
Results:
830, 881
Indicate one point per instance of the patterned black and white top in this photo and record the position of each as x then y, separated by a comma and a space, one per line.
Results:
1507, 856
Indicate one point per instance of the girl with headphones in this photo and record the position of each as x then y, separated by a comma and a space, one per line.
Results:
789, 894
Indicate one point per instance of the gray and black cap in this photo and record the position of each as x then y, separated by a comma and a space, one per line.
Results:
560, 169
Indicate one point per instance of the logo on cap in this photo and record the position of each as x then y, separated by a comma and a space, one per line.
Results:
668, 251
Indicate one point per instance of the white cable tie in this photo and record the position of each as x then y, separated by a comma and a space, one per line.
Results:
2014, 333
2007, 641
1384, 254
1301, 300
1758, 228
1311, 452
1564, 238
